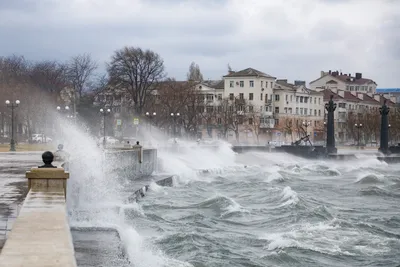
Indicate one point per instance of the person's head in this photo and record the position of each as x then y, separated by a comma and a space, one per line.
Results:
137, 142
60, 146
47, 157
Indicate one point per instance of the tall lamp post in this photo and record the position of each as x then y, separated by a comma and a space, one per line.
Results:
358, 126
174, 117
151, 117
390, 139
12, 106
104, 112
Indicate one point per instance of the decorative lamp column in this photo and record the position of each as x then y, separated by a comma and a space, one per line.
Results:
12, 106
384, 144
330, 127
104, 112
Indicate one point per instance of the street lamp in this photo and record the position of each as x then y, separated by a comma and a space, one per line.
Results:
104, 112
174, 117
12, 106
151, 116
390, 139
358, 126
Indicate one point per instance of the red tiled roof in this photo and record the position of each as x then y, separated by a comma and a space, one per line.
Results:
348, 96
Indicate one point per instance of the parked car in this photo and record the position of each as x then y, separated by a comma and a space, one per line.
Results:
41, 138
109, 140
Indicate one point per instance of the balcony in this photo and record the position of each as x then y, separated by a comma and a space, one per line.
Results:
267, 113
342, 110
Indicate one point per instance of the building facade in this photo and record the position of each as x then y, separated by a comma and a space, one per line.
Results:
342, 81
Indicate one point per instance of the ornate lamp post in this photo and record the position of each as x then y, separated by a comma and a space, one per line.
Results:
384, 111
104, 112
174, 117
306, 124
151, 117
12, 106
330, 126
358, 126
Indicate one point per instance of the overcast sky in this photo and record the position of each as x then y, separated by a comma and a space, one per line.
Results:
293, 39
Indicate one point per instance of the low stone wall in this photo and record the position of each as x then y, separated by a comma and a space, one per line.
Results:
135, 162
41, 235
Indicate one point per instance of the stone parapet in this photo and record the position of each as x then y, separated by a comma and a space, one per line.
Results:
41, 235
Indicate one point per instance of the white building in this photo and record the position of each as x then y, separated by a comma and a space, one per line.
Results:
341, 81
257, 88
298, 110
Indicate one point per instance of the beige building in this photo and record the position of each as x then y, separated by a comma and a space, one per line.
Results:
298, 110
342, 81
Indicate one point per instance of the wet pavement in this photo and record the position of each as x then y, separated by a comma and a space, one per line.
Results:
13, 186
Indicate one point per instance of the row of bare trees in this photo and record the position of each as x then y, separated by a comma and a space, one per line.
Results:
39, 86
370, 120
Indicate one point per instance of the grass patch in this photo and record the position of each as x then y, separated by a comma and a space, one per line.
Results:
28, 147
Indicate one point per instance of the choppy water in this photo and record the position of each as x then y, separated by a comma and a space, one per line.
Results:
259, 209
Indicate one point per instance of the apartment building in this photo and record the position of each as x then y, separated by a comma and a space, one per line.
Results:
298, 110
352, 103
256, 88
342, 81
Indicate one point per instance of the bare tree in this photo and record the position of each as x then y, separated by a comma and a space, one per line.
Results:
80, 70
137, 72
286, 125
254, 122
194, 73
232, 113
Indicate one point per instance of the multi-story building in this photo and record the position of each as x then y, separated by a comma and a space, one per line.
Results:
353, 103
256, 88
342, 81
298, 111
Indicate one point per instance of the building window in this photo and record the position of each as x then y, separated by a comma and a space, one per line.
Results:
276, 97
250, 120
261, 96
291, 98
251, 108
305, 99
241, 83
272, 84
209, 109
315, 100
251, 96
231, 96
297, 99
297, 111
315, 112
219, 121
262, 83
210, 97
301, 111
219, 96
319, 101
285, 110
241, 96
251, 83
276, 109
305, 111
276, 122
231, 84
286, 98
301, 99
319, 112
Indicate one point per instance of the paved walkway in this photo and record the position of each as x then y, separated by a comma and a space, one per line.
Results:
13, 186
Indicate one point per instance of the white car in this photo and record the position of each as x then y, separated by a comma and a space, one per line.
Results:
109, 140
41, 138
